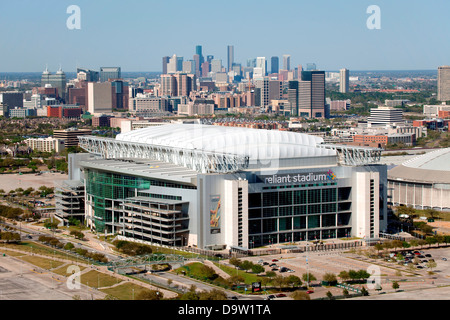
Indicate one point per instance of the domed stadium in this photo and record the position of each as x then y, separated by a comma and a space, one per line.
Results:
422, 182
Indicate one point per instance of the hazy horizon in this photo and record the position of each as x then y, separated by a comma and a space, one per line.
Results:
136, 34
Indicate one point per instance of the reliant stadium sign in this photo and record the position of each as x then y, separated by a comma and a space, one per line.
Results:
298, 177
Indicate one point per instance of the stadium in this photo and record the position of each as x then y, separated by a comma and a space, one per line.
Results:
422, 182
215, 187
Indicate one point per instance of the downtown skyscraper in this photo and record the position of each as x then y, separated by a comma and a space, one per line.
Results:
344, 81
311, 94
230, 51
443, 83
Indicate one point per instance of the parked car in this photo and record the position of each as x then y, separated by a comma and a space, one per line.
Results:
444, 259
280, 295
428, 255
309, 291
275, 260
270, 297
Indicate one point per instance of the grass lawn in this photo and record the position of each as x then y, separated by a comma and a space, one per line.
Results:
43, 263
97, 279
249, 277
125, 291
37, 248
11, 253
63, 270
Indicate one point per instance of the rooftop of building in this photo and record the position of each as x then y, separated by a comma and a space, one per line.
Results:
144, 168
257, 144
432, 167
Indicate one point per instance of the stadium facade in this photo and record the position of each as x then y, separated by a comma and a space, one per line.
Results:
217, 187
422, 182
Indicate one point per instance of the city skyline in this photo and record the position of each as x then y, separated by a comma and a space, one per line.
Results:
332, 35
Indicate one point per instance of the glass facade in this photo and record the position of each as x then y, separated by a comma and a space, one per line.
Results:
277, 214
106, 192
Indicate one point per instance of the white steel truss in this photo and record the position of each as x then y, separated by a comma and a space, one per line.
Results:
198, 160
353, 155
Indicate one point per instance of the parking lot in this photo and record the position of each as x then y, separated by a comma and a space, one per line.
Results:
22, 281
411, 283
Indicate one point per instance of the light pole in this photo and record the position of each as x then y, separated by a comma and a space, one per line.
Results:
307, 266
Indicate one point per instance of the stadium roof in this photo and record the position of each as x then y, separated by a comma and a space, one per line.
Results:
252, 143
436, 160
430, 168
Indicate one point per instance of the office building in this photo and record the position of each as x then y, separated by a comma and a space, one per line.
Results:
146, 105
261, 67
45, 144
292, 96
216, 65
312, 95
274, 65
165, 62
70, 136
107, 73
344, 81
172, 65
190, 66
88, 75
444, 83
262, 87
21, 112
287, 62
57, 80
178, 84
385, 116
230, 57
215, 187
10, 100
99, 97
64, 111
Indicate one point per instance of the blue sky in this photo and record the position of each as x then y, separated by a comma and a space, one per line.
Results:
136, 34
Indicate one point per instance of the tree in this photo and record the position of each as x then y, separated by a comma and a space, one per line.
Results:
246, 265
344, 275
378, 247
364, 291
279, 281
256, 268
308, 277
293, 281
214, 294
396, 244
430, 240
395, 285
330, 278
431, 264
345, 293
300, 295
236, 280
150, 295
190, 295
235, 262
